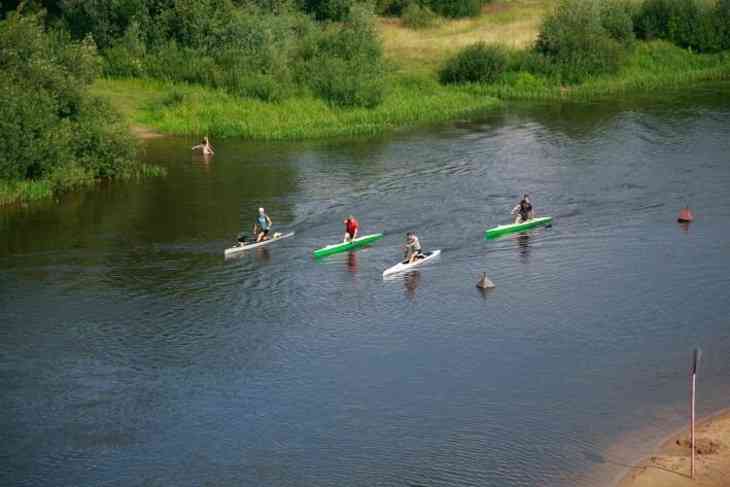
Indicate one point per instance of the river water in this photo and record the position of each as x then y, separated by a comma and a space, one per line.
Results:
133, 354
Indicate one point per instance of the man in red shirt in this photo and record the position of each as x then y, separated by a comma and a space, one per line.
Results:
351, 226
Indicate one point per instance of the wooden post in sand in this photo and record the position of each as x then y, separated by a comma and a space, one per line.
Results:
692, 378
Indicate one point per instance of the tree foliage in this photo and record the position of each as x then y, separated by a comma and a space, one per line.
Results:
46, 116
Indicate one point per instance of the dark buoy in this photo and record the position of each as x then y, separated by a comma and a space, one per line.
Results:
685, 215
484, 282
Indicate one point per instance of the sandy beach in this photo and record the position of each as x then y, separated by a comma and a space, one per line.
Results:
670, 465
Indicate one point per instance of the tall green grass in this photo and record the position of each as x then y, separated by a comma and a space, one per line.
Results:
66, 179
650, 66
181, 109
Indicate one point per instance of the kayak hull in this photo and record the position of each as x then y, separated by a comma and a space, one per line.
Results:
230, 252
401, 267
345, 246
517, 227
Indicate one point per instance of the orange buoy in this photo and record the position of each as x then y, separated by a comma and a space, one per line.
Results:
685, 215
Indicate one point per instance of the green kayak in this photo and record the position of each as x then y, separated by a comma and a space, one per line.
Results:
517, 227
345, 246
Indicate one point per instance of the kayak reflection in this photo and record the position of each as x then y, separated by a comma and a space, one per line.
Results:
263, 254
410, 283
523, 244
352, 261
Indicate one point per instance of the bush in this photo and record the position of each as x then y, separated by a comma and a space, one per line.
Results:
126, 56
105, 20
722, 20
456, 9
55, 126
257, 48
338, 82
345, 65
391, 7
336, 10
686, 23
37, 139
193, 23
617, 19
416, 17
575, 43
101, 142
478, 63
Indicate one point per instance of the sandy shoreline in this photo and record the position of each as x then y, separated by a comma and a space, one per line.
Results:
669, 466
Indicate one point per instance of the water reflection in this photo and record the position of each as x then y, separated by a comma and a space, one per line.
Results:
352, 261
263, 254
685, 227
203, 161
523, 245
410, 283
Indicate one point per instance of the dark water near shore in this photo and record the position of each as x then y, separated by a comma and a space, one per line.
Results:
131, 353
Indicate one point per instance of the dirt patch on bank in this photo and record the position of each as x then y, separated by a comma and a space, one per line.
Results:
144, 133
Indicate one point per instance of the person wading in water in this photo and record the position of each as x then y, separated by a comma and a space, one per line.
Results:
205, 147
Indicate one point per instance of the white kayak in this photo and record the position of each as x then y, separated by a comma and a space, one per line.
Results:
243, 247
404, 266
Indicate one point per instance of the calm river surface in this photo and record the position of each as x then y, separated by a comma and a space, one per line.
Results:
132, 354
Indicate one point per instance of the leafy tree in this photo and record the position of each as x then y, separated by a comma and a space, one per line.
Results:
46, 114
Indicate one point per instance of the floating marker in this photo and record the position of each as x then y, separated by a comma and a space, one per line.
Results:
484, 282
685, 215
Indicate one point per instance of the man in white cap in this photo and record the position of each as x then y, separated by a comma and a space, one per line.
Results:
262, 226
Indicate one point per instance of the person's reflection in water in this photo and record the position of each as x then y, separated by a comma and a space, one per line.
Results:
352, 261
685, 227
203, 161
523, 242
263, 254
410, 282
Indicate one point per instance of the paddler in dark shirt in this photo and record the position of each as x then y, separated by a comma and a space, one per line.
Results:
523, 211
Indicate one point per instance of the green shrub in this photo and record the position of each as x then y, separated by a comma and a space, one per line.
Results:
193, 23
101, 142
55, 126
456, 9
336, 10
345, 64
478, 63
722, 21
527, 82
126, 56
617, 19
105, 20
37, 138
391, 7
577, 45
338, 82
416, 17
686, 23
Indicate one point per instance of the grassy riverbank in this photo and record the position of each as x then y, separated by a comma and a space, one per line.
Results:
413, 94
66, 179
183, 109
649, 67
60, 136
